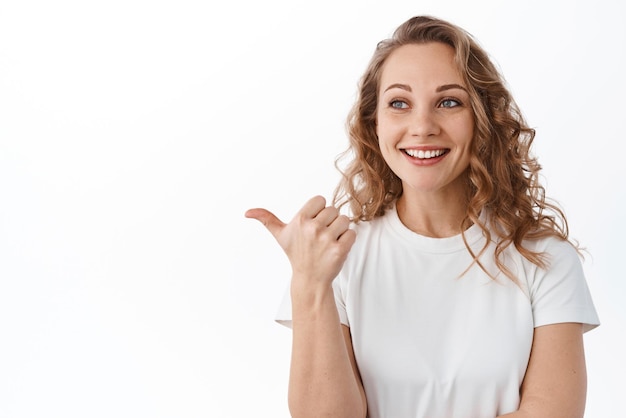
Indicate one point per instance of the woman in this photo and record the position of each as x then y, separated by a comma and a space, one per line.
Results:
456, 292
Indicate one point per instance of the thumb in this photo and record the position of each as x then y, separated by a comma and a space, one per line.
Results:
268, 219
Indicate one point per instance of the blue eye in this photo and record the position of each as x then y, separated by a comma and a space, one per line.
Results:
449, 103
398, 104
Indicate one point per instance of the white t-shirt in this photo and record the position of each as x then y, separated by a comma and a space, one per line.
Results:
432, 342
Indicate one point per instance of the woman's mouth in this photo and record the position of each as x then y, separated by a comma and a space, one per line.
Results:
425, 154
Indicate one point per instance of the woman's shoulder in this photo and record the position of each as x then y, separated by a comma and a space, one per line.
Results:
561, 260
374, 226
369, 234
553, 246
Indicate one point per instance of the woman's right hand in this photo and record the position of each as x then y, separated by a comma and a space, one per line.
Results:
316, 241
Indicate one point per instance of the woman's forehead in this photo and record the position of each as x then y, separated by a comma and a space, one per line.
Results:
430, 64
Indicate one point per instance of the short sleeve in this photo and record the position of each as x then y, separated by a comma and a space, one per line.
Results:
339, 290
560, 293
283, 315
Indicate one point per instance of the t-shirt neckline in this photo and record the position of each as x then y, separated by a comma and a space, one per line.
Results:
435, 245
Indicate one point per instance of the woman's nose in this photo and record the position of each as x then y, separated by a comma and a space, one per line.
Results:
424, 123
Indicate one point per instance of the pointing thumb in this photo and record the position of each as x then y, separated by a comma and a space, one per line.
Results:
268, 219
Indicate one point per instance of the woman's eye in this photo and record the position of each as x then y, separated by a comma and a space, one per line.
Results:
449, 103
398, 104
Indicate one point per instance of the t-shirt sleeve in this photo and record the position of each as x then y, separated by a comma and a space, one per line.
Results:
283, 315
560, 293
339, 289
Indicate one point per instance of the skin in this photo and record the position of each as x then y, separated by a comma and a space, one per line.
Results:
324, 380
555, 384
423, 106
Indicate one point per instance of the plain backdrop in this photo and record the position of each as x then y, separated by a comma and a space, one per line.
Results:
135, 134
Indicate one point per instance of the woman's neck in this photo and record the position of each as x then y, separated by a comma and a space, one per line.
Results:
436, 216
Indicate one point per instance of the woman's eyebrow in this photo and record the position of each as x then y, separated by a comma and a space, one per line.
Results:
399, 86
450, 87
438, 90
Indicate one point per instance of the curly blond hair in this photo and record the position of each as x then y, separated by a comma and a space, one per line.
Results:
503, 176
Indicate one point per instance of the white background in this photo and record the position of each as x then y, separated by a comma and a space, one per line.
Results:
135, 134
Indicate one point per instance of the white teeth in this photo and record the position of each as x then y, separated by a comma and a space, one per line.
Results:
424, 154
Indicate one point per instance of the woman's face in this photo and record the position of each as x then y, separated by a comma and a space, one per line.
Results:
425, 122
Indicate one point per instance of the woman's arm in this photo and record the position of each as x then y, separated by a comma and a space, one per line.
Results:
555, 384
355, 369
323, 380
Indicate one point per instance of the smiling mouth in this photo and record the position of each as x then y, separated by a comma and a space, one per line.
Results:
425, 155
